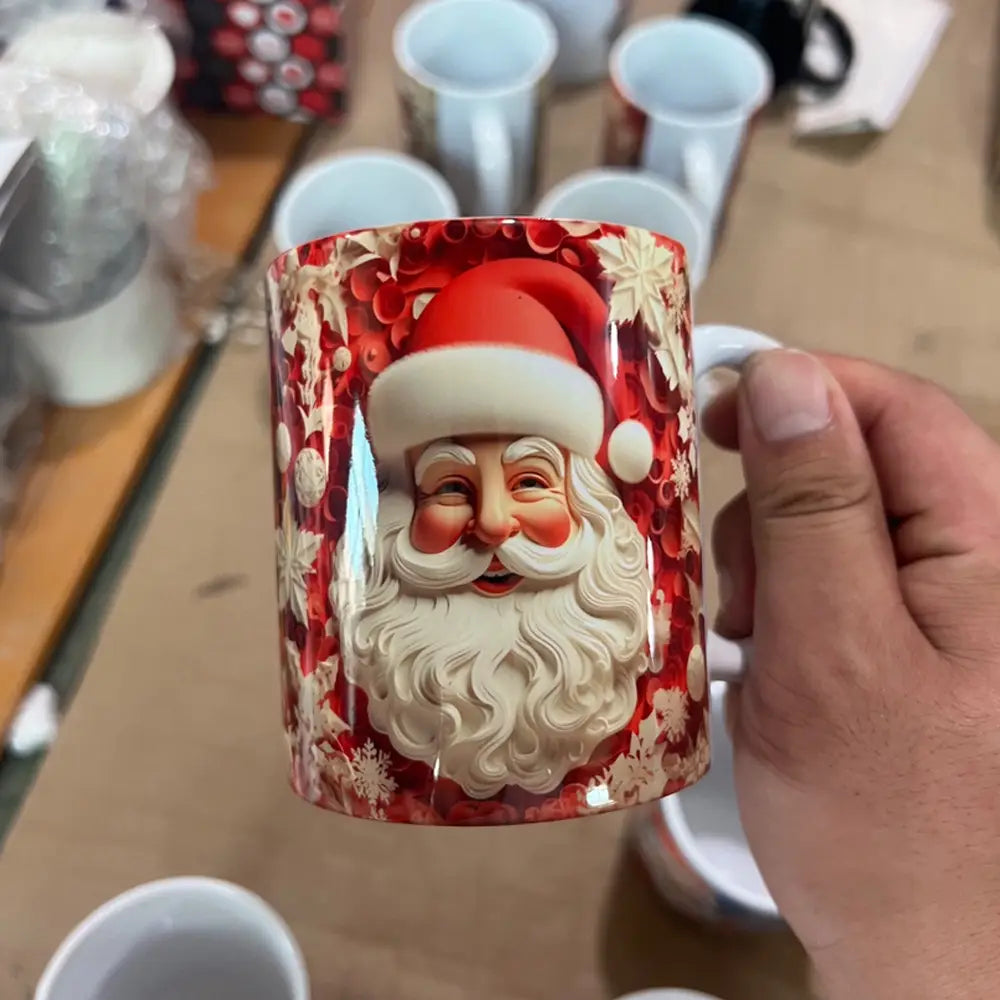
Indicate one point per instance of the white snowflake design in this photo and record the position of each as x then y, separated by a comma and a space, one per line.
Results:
636, 776
297, 550
685, 423
671, 708
681, 476
641, 270
370, 769
691, 528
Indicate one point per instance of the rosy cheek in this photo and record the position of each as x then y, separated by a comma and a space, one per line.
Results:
547, 522
436, 528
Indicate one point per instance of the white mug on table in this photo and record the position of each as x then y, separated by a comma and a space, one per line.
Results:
358, 190
633, 198
472, 78
196, 938
587, 29
686, 90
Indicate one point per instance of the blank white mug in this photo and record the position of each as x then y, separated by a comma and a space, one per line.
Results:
633, 198
695, 849
196, 938
360, 189
690, 86
587, 29
472, 78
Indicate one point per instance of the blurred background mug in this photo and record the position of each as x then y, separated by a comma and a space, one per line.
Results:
684, 93
358, 190
784, 29
192, 938
473, 82
633, 198
586, 31
695, 850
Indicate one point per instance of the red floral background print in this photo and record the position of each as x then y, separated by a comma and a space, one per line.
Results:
341, 310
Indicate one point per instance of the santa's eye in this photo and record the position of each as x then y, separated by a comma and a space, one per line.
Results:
530, 481
453, 491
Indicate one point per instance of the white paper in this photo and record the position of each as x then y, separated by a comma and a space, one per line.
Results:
893, 42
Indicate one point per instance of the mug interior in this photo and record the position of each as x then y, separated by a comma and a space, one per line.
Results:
692, 67
705, 820
192, 938
627, 198
475, 45
358, 191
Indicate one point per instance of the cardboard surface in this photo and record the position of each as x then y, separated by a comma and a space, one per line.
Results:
171, 760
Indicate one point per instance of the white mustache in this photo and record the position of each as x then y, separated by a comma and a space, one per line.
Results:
461, 564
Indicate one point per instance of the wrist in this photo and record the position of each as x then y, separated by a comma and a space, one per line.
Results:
952, 959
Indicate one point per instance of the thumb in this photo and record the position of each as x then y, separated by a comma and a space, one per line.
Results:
824, 558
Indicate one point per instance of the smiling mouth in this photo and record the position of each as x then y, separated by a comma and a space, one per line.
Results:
496, 580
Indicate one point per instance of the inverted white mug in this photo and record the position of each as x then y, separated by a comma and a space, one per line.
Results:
633, 198
196, 938
483, 64
699, 83
359, 189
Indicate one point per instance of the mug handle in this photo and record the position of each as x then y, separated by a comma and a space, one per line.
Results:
702, 176
843, 42
725, 347
494, 155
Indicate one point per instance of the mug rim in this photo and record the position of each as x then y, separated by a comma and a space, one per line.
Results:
94, 920
674, 116
416, 70
677, 824
500, 219
301, 179
675, 818
641, 178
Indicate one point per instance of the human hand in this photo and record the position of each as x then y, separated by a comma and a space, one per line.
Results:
864, 557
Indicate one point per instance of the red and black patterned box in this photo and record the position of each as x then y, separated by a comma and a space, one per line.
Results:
281, 57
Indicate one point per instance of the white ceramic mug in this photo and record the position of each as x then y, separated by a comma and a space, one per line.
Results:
586, 30
473, 80
694, 847
196, 938
113, 345
359, 189
685, 91
633, 198
668, 994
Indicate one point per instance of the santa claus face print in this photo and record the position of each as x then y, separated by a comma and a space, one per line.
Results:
483, 492
487, 521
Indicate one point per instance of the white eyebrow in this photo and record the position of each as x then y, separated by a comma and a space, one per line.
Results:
441, 451
536, 447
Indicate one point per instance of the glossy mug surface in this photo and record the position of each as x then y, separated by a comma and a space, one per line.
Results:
489, 553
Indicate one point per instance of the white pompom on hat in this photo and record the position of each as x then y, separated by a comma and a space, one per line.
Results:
508, 347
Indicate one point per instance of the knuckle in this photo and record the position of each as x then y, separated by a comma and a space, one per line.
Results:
814, 488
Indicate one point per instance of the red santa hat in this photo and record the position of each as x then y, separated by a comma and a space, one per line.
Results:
508, 347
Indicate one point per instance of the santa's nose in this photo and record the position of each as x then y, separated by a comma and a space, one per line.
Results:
494, 522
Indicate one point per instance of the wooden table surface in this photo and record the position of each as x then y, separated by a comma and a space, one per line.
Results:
171, 759
91, 457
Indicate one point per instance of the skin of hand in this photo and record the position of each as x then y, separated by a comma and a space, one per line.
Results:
864, 557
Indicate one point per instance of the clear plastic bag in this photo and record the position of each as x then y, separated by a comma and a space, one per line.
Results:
109, 162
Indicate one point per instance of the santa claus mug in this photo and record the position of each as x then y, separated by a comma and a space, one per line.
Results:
489, 553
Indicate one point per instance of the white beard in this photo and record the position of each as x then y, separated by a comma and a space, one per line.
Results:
491, 691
